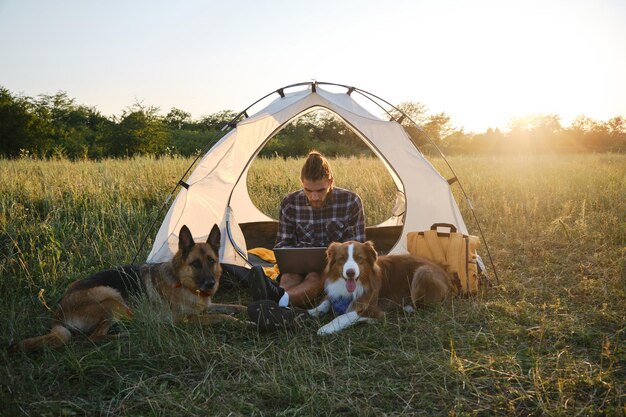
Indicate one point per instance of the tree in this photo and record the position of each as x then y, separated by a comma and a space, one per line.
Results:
438, 127
139, 132
15, 124
617, 133
414, 110
431, 127
177, 118
600, 136
535, 133
217, 121
72, 129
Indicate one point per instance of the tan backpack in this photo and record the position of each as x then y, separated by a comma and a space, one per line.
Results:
453, 251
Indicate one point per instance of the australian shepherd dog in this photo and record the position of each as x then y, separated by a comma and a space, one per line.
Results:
183, 287
361, 286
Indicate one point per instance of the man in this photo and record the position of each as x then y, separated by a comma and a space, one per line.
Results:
316, 215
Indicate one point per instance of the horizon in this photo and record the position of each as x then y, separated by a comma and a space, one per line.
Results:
484, 65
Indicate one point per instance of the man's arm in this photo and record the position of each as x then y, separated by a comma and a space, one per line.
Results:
285, 235
357, 220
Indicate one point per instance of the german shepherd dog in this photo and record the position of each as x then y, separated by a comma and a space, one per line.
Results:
185, 285
362, 286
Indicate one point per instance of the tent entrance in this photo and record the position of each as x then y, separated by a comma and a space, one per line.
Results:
313, 128
268, 176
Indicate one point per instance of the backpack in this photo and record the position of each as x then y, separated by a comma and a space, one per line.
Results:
455, 252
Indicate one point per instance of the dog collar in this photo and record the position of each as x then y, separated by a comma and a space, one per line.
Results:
202, 294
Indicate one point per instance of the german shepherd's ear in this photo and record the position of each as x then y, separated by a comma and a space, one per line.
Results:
370, 251
214, 239
185, 241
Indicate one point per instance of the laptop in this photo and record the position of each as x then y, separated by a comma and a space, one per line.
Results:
300, 260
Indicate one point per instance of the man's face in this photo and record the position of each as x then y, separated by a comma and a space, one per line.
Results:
317, 191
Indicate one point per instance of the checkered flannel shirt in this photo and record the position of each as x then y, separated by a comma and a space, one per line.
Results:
341, 219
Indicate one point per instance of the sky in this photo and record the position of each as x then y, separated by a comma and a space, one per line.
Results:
482, 62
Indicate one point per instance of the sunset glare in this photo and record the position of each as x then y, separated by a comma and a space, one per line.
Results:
483, 63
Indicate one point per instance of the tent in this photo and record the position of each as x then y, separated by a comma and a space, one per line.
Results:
216, 191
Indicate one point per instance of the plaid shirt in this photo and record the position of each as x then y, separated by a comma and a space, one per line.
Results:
341, 219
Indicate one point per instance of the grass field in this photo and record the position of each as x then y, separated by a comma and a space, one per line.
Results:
550, 340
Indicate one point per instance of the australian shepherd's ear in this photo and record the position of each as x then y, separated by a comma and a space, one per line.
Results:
331, 249
370, 252
331, 255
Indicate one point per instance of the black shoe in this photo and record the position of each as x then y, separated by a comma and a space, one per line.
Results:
269, 317
263, 288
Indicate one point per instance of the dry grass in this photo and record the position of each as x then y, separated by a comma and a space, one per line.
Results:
549, 341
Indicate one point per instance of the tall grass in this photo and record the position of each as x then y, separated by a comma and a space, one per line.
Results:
549, 341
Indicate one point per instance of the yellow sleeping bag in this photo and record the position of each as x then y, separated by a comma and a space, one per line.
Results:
268, 256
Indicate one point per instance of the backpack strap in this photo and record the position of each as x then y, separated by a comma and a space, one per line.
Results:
455, 254
434, 244
456, 281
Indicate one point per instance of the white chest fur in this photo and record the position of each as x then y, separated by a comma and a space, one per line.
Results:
337, 289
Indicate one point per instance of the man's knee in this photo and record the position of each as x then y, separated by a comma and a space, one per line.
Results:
289, 280
315, 281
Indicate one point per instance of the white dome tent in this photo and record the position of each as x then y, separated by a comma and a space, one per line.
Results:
216, 192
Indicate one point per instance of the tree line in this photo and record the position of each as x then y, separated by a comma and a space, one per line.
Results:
50, 126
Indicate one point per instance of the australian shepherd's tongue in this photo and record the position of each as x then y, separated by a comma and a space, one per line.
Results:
350, 284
